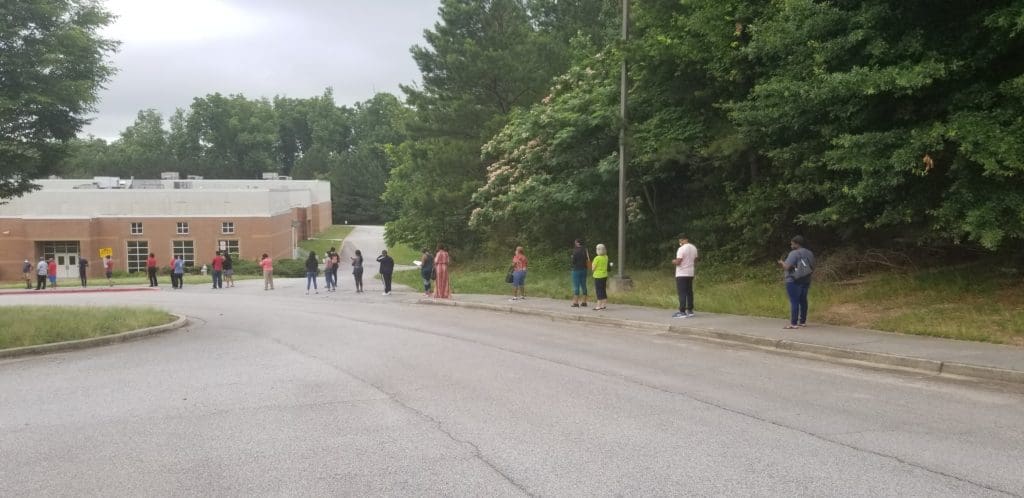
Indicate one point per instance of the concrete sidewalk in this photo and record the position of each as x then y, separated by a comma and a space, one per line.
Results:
883, 349
49, 291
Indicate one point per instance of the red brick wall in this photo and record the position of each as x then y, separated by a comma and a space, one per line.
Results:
255, 236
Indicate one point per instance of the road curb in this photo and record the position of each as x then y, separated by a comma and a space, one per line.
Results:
93, 341
796, 348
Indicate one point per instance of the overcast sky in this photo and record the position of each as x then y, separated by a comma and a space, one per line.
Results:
174, 50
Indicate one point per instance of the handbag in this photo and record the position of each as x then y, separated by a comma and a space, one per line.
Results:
802, 270
509, 276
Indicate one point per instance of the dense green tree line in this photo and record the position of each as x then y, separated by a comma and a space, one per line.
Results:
865, 122
221, 136
855, 122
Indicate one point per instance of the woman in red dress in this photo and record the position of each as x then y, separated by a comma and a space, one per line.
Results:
441, 288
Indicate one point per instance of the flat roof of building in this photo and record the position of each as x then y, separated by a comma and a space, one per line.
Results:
82, 198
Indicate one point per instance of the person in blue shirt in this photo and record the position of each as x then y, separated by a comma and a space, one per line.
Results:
178, 273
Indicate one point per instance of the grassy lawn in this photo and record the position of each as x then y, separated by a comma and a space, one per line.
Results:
404, 255
32, 325
134, 280
953, 302
331, 237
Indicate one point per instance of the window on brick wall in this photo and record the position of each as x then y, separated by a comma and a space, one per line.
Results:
138, 251
230, 246
186, 250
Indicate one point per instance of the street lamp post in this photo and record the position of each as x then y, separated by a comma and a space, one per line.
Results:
623, 282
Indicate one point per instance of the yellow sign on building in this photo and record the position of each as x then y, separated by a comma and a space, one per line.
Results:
106, 251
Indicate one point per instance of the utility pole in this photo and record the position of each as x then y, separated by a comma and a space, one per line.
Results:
622, 282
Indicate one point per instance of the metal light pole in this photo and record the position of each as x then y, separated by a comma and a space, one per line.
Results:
623, 282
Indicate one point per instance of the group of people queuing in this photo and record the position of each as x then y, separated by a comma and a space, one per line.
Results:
221, 271
434, 271
45, 272
798, 266
331, 262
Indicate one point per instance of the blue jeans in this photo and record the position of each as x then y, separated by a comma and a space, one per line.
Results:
797, 302
328, 279
579, 282
310, 279
519, 278
426, 281
218, 282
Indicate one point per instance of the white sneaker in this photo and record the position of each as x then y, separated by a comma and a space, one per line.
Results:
383, 293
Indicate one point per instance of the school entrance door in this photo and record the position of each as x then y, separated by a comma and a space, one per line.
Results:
65, 253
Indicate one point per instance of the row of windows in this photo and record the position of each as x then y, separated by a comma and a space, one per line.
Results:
138, 252
227, 228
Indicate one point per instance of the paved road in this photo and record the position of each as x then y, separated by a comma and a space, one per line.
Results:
279, 393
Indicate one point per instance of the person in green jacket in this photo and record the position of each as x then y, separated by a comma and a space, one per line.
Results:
600, 265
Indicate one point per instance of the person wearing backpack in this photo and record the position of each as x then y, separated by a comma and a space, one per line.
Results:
797, 269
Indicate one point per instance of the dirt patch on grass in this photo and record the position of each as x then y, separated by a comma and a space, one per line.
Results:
854, 314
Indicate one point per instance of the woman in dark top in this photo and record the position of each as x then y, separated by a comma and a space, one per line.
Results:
357, 270
426, 270
796, 272
311, 272
387, 267
580, 264
229, 270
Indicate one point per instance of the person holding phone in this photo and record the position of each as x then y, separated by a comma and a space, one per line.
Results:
797, 269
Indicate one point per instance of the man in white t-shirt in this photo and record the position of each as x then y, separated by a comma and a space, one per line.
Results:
686, 257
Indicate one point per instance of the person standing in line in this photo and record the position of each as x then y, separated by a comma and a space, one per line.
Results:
177, 273
387, 268
579, 262
357, 270
426, 270
268, 272
229, 269
26, 273
83, 270
442, 284
151, 269
328, 284
108, 270
312, 272
51, 272
600, 265
797, 269
218, 270
686, 258
335, 263
519, 264
41, 269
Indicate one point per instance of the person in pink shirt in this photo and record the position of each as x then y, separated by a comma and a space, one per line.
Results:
268, 272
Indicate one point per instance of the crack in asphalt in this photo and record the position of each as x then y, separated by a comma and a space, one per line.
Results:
631, 380
437, 423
